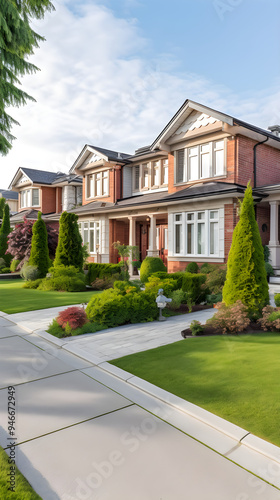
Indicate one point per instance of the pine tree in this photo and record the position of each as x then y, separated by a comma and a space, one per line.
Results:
39, 255
2, 206
17, 42
246, 276
4, 232
69, 249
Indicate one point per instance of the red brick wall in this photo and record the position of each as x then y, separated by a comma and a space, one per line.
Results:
58, 199
231, 220
48, 200
110, 198
268, 163
231, 161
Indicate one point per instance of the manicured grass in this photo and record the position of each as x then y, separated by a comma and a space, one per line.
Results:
237, 378
15, 299
22, 491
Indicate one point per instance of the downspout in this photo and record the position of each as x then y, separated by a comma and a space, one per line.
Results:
255, 159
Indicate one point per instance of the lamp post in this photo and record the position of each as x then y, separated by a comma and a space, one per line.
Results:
161, 301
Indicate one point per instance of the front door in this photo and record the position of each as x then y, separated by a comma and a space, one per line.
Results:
162, 237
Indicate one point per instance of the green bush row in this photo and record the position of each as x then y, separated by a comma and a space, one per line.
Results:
101, 271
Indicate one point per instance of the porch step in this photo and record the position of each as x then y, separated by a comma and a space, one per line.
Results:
277, 272
275, 280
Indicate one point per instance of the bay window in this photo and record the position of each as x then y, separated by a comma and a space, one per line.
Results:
29, 198
200, 162
197, 233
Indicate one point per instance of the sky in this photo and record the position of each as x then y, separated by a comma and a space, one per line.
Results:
114, 72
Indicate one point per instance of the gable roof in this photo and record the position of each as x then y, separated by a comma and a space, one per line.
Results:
189, 106
106, 154
9, 195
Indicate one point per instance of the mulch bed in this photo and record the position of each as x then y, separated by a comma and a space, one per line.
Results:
209, 330
183, 309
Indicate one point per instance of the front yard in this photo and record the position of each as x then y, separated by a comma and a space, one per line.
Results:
235, 377
15, 299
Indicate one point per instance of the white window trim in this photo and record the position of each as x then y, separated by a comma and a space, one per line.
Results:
212, 169
196, 221
149, 165
27, 205
92, 178
96, 228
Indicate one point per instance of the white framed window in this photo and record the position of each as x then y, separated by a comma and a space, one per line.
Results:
178, 225
145, 175
29, 198
197, 233
136, 178
156, 173
200, 162
98, 184
165, 171
90, 232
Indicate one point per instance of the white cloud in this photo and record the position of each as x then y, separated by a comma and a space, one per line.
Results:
98, 84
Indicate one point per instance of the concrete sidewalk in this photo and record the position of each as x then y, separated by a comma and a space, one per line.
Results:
87, 430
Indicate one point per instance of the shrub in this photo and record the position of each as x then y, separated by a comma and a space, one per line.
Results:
69, 249
149, 266
196, 327
75, 317
175, 276
270, 318
246, 277
207, 268
177, 297
230, 319
14, 265
4, 232
214, 298
154, 284
104, 283
39, 255
192, 267
56, 330
5, 270
64, 278
277, 299
266, 253
193, 284
215, 280
32, 284
269, 269
29, 273
2, 262
113, 308
96, 271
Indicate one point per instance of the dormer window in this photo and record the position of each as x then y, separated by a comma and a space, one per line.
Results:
29, 198
98, 184
200, 162
150, 176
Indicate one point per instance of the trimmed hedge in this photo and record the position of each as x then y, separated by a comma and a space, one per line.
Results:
149, 266
175, 276
193, 285
101, 271
64, 278
113, 308
192, 267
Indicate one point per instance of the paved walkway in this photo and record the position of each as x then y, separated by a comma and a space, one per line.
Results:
86, 430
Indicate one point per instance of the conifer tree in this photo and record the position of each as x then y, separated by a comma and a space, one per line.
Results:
39, 255
69, 249
17, 42
246, 276
4, 232
2, 206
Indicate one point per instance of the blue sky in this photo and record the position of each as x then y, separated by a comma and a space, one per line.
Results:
113, 72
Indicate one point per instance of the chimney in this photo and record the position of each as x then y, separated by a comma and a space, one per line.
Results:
275, 130
119, 156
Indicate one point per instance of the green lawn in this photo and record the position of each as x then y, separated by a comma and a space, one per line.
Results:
23, 490
15, 299
237, 378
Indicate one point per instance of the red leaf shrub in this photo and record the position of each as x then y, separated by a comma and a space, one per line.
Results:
75, 316
270, 318
230, 319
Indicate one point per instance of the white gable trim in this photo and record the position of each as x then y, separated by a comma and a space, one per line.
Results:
84, 155
20, 173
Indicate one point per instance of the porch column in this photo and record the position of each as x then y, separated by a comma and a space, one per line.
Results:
153, 251
273, 245
132, 239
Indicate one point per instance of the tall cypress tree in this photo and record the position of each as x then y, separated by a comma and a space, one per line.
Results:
4, 232
2, 206
17, 42
246, 276
39, 255
69, 249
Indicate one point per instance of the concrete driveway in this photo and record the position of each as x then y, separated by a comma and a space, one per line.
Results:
86, 430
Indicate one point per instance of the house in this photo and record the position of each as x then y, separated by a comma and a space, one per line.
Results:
48, 192
178, 197
11, 199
